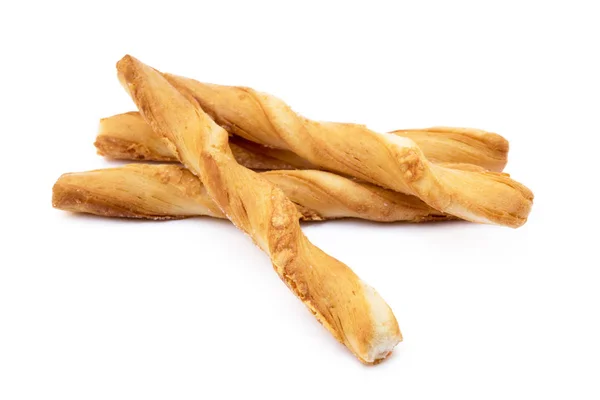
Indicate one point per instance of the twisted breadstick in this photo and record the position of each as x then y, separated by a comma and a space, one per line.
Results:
135, 191
128, 137
387, 160
352, 311
460, 145
171, 192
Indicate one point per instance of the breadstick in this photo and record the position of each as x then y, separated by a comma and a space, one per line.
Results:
352, 311
387, 160
460, 145
155, 192
128, 137
171, 192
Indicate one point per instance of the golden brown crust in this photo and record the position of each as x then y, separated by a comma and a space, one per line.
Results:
386, 160
135, 191
460, 145
77, 199
332, 196
171, 191
128, 137
352, 311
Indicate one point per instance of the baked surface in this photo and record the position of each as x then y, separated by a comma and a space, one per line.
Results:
351, 310
384, 159
170, 191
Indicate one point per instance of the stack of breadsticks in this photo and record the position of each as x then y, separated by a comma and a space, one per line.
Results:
218, 136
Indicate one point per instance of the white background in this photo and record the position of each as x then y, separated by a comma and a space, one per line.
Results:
93, 308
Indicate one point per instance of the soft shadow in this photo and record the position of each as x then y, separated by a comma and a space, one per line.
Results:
95, 218
356, 222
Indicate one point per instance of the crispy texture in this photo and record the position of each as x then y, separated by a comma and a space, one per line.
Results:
128, 137
352, 311
460, 145
387, 160
135, 191
171, 191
